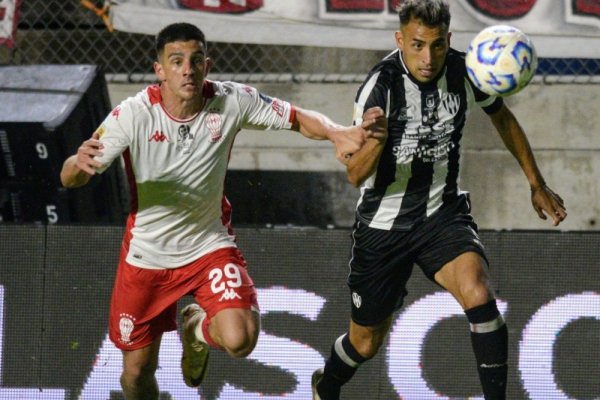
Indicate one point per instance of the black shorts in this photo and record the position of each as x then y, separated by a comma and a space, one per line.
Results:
382, 261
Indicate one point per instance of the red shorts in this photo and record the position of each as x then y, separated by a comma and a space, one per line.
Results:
144, 301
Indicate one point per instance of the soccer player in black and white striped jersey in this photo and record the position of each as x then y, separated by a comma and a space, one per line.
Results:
411, 209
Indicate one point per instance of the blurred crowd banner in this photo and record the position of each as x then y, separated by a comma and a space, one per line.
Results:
55, 291
8, 21
319, 41
560, 28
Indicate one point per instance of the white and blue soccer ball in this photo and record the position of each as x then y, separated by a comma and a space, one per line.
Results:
501, 60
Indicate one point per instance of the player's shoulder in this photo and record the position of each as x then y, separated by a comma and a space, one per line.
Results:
228, 88
455, 58
142, 100
136, 106
388, 68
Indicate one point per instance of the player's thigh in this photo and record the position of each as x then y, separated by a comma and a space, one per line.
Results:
467, 279
142, 361
222, 282
453, 256
142, 306
236, 328
380, 266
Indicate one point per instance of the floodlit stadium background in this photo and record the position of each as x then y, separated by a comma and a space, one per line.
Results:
55, 286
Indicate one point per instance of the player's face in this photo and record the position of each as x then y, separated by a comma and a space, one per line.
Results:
424, 49
182, 67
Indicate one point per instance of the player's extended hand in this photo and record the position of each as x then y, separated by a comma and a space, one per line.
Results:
375, 123
86, 153
546, 201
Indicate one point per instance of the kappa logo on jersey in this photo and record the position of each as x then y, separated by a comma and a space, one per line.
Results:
158, 136
116, 112
214, 123
229, 294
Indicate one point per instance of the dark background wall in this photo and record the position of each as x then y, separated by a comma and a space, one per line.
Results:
56, 281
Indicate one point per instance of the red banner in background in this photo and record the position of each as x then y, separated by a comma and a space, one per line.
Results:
9, 18
222, 6
503, 9
587, 7
366, 24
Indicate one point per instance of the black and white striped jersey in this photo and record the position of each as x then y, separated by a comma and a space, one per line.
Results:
417, 173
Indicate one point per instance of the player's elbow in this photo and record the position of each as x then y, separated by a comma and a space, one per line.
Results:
354, 180
72, 181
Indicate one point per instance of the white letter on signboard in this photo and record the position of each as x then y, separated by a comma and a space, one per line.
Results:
291, 356
537, 345
406, 343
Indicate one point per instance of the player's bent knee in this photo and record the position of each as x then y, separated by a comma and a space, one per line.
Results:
240, 340
238, 344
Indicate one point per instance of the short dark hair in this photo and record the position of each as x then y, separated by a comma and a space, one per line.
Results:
430, 12
179, 31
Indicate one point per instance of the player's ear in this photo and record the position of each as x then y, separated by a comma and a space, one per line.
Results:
158, 70
208, 66
448, 38
399, 39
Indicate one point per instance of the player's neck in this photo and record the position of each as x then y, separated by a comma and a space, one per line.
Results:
181, 108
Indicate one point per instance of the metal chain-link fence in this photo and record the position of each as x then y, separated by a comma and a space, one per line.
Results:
66, 32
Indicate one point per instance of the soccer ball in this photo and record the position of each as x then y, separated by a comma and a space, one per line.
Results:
501, 60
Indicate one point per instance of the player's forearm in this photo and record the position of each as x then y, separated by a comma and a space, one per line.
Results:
516, 142
71, 176
363, 163
317, 126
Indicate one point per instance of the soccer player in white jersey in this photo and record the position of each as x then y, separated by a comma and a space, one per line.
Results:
411, 210
175, 138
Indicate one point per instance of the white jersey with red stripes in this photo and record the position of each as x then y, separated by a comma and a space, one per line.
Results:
176, 168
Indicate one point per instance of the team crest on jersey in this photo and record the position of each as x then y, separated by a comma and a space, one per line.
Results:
356, 299
214, 123
451, 103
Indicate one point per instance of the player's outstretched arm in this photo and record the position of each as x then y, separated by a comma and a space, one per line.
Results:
347, 139
363, 163
544, 200
79, 168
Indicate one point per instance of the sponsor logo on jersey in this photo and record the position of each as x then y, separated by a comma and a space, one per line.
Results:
126, 324
214, 123
100, 131
158, 136
278, 107
427, 153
